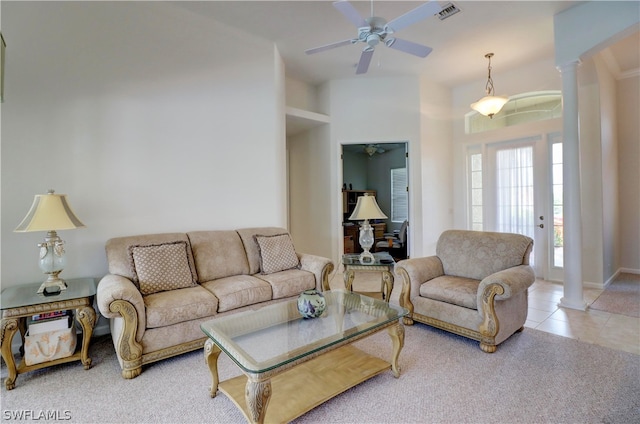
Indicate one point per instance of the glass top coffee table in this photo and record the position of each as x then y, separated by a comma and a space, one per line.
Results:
295, 364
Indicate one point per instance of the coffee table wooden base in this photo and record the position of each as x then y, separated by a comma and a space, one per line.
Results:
305, 386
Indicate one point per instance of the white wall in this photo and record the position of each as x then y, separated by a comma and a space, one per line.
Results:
629, 171
310, 157
432, 175
129, 109
362, 110
610, 171
381, 109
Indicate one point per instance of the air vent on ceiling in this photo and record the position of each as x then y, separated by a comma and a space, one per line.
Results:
447, 11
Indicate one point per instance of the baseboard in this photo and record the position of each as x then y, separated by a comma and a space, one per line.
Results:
592, 285
629, 270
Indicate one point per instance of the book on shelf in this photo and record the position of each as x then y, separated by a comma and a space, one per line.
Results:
62, 322
52, 314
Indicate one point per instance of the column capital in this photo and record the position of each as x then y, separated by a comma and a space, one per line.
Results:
569, 66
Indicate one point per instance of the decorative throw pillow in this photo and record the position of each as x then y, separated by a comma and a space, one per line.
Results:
276, 253
162, 267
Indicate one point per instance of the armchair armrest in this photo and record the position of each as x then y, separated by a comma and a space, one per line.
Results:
320, 267
512, 281
114, 288
416, 271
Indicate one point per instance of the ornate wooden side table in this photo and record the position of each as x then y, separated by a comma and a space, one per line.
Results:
383, 263
20, 302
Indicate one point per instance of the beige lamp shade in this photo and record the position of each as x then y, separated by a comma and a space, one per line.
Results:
49, 212
367, 208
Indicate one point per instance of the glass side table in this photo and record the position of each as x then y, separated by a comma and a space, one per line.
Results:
20, 302
383, 262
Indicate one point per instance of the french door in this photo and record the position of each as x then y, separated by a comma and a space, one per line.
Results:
520, 194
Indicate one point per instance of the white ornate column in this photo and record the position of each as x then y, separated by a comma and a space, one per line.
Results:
573, 295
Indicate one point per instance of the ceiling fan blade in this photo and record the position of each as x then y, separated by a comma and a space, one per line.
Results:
329, 46
350, 13
419, 13
408, 47
365, 60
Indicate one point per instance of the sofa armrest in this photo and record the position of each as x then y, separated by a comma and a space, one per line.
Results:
320, 267
512, 281
114, 288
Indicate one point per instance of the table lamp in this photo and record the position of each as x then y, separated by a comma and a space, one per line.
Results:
366, 209
50, 212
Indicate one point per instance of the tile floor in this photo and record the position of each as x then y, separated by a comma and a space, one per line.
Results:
615, 331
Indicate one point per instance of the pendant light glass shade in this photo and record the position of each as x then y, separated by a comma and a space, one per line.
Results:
490, 104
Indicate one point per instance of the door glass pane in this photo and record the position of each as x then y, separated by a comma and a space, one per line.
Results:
475, 177
515, 195
556, 181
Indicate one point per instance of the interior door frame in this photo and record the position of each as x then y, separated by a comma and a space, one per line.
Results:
341, 179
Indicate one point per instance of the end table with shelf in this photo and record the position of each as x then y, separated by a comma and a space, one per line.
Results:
383, 263
20, 302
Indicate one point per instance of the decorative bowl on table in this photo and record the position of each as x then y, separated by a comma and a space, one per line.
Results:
311, 303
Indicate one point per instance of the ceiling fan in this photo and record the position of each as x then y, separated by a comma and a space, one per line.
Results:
372, 149
375, 30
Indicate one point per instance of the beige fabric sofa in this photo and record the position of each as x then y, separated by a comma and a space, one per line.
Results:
160, 287
475, 286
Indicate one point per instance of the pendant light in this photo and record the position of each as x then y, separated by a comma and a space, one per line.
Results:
490, 104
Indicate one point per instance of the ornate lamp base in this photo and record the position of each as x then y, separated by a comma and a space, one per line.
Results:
366, 257
53, 281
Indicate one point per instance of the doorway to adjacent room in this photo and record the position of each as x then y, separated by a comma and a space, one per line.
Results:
381, 170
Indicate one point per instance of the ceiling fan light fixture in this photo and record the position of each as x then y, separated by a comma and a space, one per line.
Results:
374, 30
490, 104
371, 149
373, 40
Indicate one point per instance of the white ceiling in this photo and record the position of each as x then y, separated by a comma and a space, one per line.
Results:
518, 32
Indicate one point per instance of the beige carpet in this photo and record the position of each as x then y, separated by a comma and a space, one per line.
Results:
534, 377
621, 296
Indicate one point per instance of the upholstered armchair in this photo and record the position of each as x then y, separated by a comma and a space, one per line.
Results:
475, 286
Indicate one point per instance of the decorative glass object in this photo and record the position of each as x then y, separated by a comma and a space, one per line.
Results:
311, 303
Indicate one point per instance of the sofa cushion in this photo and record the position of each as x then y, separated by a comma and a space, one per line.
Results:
161, 267
237, 291
289, 283
175, 306
218, 254
459, 291
276, 253
251, 246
